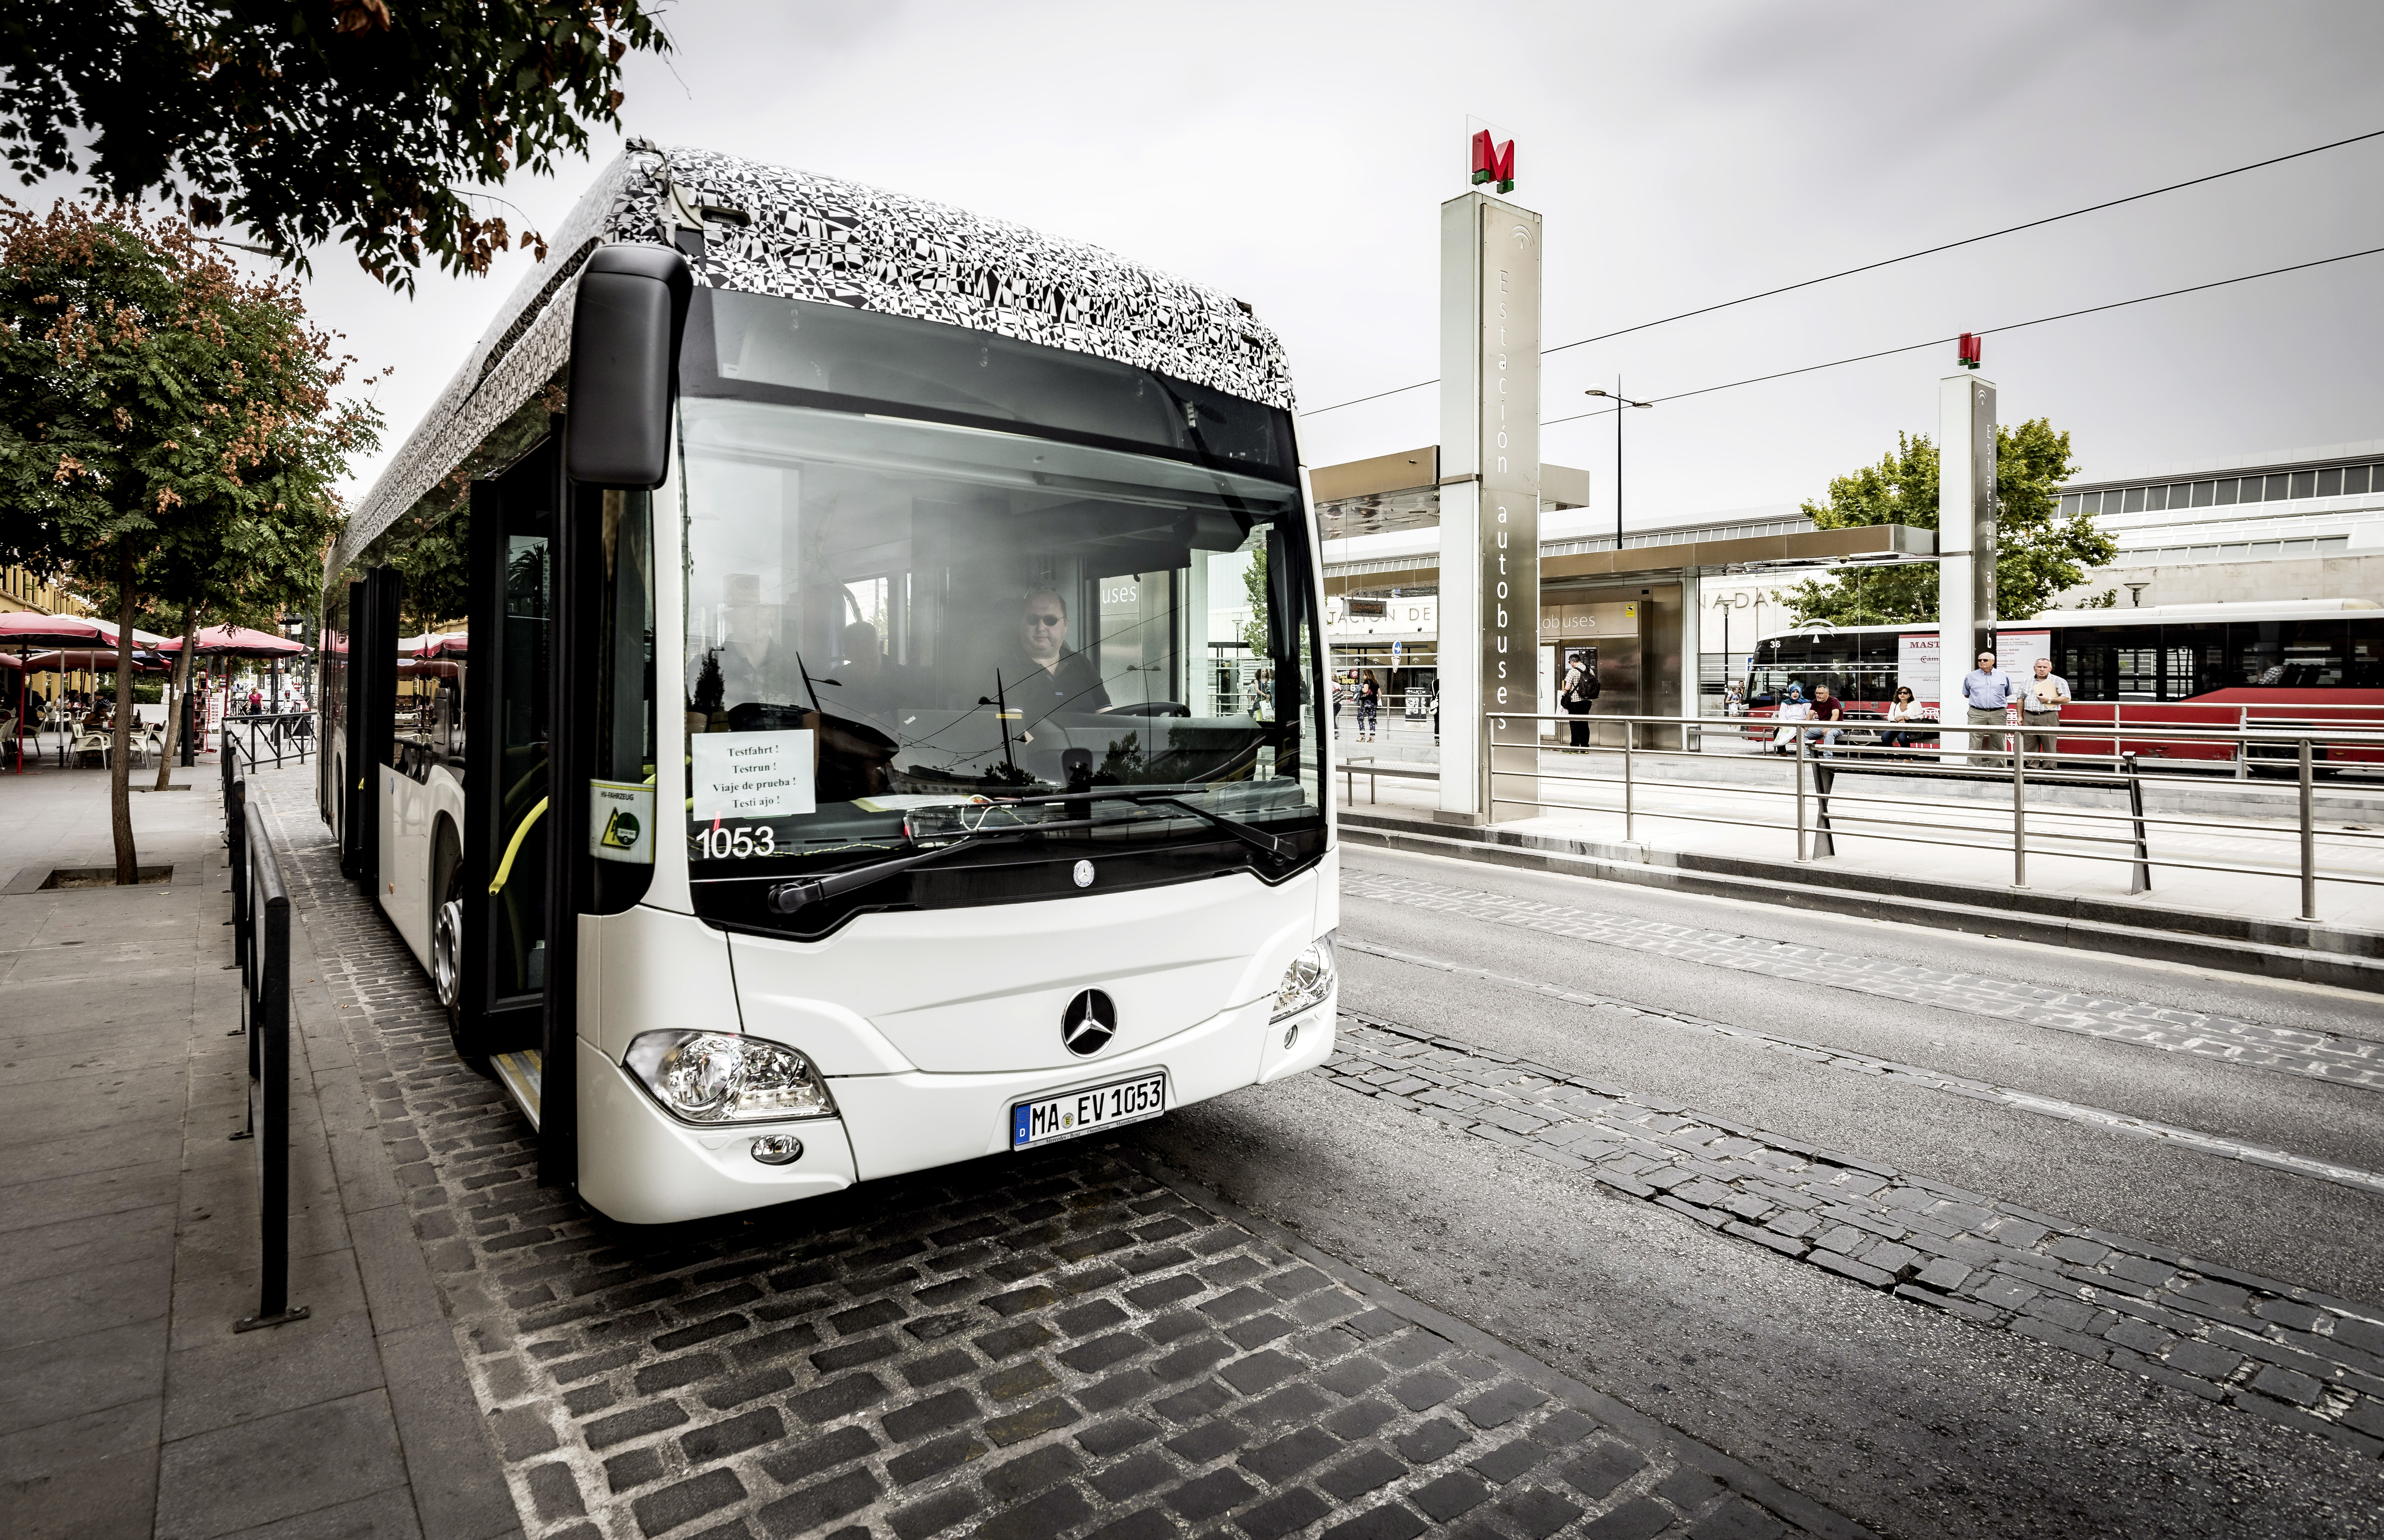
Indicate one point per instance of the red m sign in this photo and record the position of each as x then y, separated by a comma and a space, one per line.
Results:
1494, 162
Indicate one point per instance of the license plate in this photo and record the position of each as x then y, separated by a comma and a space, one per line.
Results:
1051, 1118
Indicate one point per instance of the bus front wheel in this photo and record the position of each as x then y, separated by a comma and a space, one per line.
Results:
447, 947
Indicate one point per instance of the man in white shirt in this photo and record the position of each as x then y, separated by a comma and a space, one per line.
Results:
2041, 701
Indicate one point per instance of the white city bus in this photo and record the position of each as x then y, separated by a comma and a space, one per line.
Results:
818, 753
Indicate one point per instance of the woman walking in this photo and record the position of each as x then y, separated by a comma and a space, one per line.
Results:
1369, 701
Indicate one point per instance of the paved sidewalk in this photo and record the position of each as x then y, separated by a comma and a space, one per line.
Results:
128, 1226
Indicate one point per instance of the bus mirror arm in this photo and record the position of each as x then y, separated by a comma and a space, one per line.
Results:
627, 320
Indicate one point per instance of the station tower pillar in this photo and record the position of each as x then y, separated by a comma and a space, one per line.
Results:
1489, 505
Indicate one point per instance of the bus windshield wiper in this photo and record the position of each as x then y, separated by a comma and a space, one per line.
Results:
784, 898
1173, 796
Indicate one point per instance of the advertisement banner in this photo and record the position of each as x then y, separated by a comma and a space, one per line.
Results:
1917, 665
2016, 652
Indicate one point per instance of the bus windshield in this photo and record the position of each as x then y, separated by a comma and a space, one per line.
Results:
888, 621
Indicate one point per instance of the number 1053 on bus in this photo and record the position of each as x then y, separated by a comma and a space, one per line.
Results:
721, 844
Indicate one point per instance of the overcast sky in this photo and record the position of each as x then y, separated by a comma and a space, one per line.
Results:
1296, 155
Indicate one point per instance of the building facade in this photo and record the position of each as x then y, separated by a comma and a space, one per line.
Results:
2307, 525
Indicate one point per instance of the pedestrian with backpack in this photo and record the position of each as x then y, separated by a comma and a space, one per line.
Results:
1579, 691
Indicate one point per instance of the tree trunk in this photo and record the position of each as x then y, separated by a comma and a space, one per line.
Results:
181, 688
119, 769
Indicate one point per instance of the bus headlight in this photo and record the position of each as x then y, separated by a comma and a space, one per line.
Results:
1309, 979
720, 1077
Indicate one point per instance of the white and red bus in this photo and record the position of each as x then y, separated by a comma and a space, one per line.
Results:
2291, 665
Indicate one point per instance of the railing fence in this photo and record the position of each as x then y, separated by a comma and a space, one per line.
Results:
260, 911
2083, 756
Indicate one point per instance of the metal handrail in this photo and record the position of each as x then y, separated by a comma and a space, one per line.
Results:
1946, 764
277, 727
260, 910
1886, 767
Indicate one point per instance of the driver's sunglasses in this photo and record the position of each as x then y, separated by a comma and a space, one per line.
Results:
1047, 620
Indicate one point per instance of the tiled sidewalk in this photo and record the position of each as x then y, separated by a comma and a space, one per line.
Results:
129, 1228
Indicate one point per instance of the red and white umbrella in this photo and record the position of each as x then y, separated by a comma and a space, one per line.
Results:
26, 629
92, 661
235, 641
140, 636
23, 629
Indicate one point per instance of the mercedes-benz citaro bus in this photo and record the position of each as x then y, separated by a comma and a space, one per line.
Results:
831, 689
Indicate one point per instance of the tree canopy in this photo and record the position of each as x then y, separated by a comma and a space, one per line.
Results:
303, 120
2038, 554
168, 431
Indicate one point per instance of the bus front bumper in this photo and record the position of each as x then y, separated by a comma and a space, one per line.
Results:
641, 1166
913, 1121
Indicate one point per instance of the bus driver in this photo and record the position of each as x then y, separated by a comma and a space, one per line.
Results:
1043, 677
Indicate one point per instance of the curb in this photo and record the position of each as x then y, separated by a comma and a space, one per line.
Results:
2354, 960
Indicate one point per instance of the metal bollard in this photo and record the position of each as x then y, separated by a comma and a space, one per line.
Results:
1630, 741
2019, 815
2309, 834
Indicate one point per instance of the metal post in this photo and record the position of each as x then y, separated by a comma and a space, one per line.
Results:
266, 996
2140, 874
2019, 814
1630, 741
236, 831
1800, 793
2309, 835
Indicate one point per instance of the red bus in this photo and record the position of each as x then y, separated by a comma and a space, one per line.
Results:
2289, 666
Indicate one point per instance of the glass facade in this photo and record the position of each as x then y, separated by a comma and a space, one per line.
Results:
2224, 491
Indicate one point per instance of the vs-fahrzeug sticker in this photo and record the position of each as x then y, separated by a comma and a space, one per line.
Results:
621, 822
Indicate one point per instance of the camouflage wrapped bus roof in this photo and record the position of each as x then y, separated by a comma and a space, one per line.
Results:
809, 237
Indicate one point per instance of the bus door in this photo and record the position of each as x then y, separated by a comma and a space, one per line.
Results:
370, 710
500, 994
599, 846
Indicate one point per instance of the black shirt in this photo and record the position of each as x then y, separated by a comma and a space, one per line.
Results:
1036, 692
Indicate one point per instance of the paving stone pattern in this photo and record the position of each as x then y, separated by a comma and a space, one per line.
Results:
1915, 1074
1056, 1345
2290, 1050
2300, 1358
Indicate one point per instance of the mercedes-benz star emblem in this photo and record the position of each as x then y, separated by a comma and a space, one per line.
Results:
1088, 1023
1084, 873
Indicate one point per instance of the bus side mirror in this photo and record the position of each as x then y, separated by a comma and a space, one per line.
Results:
624, 334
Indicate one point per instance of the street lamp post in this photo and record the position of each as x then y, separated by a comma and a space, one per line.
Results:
1620, 401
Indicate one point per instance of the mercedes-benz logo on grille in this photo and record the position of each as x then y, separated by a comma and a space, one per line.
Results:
1088, 1023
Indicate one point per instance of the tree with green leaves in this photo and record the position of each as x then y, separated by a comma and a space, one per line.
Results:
305, 120
168, 432
2038, 552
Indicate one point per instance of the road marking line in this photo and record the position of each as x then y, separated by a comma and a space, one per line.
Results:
1863, 1063
2309, 1054
2293, 1355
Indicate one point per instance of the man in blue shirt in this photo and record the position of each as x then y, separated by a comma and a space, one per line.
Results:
1988, 691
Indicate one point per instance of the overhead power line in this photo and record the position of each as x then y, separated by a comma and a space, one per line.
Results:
2012, 326
1890, 262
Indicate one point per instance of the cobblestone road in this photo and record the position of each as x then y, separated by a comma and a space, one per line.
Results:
1938, 1080
2318, 1055
2266, 1347
1066, 1344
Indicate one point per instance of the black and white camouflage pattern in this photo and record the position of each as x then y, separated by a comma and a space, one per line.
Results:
814, 237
